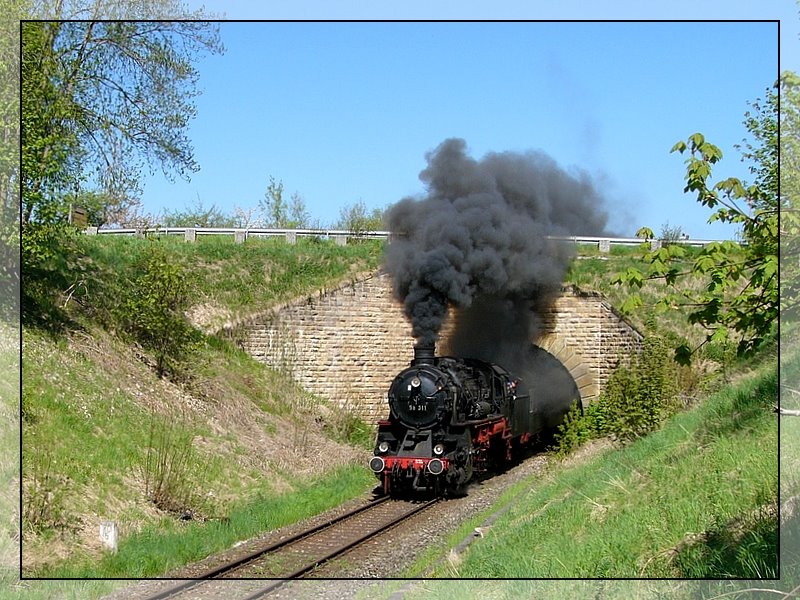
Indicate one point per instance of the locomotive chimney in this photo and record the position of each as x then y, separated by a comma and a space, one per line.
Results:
423, 354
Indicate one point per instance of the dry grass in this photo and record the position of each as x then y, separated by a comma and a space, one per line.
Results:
248, 451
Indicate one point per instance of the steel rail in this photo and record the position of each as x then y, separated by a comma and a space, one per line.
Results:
219, 572
216, 572
297, 573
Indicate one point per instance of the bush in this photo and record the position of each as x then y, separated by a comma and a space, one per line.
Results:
155, 311
635, 402
670, 234
171, 466
55, 271
574, 431
638, 398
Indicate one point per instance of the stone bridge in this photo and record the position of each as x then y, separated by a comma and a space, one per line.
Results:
347, 344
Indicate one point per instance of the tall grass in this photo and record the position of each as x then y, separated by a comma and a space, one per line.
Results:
92, 449
169, 544
694, 499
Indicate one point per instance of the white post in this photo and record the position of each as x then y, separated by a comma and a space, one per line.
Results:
109, 534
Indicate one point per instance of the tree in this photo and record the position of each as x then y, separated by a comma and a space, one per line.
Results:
13, 10
103, 99
198, 216
273, 206
670, 234
99, 100
356, 219
156, 311
101, 209
50, 150
278, 213
741, 292
298, 215
790, 194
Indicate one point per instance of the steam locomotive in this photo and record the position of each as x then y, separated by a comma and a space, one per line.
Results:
453, 418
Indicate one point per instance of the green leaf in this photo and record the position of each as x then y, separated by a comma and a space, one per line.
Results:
697, 139
631, 303
732, 186
679, 147
663, 305
703, 264
676, 251
683, 355
671, 276
720, 334
635, 277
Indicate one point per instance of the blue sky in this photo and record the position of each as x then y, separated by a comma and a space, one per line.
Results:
345, 112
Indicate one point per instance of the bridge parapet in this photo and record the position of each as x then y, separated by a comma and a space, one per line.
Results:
348, 343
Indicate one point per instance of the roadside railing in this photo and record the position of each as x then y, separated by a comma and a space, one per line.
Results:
341, 236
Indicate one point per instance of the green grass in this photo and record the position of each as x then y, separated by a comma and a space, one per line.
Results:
9, 453
243, 277
96, 420
169, 544
685, 501
84, 436
625, 491
87, 431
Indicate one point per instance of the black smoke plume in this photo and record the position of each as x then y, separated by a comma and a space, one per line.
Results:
478, 241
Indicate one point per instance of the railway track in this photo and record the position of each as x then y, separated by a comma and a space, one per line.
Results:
297, 556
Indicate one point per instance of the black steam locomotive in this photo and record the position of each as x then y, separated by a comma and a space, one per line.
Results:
451, 418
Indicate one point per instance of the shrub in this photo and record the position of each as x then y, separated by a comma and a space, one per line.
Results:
169, 464
55, 271
639, 397
44, 507
670, 234
574, 431
155, 311
635, 401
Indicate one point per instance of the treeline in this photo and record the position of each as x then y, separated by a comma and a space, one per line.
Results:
272, 211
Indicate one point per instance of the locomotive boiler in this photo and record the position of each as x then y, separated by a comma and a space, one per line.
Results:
452, 418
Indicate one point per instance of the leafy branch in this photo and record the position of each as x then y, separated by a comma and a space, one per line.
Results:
740, 295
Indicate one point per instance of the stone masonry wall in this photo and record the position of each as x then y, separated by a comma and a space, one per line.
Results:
590, 337
347, 344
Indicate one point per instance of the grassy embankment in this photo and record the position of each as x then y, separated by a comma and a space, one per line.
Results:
224, 367
697, 498
231, 444
9, 453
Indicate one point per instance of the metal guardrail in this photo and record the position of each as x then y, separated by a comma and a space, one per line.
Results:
247, 232
619, 241
342, 235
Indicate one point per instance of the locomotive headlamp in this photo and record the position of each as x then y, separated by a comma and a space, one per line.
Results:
435, 467
383, 446
415, 382
438, 449
376, 464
